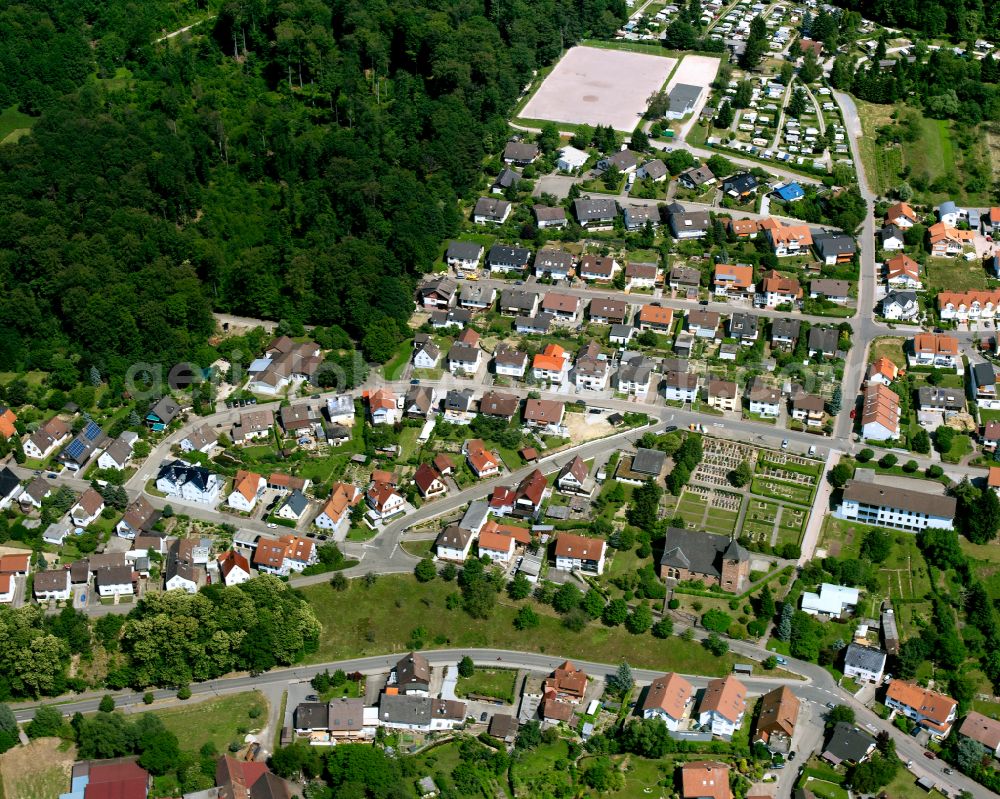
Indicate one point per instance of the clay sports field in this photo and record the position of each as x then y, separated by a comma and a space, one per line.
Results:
593, 86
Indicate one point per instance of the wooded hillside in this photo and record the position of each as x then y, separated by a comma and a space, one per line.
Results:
295, 160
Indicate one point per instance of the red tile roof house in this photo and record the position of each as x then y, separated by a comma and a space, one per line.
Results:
429, 482
113, 779
580, 553
931, 710
482, 461
529, 494
669, 698
384, 502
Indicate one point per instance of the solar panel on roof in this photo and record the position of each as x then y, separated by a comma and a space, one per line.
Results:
92, 431
75, 448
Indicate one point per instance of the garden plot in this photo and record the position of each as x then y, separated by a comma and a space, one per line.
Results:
593, 86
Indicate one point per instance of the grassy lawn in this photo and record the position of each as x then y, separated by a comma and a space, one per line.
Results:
40, 770
825, 790
217, 720
960, 447
891, 348
419, 549
494, 683
904, 786
721, 521
14, 124
408, 443
381, 618
535, 771
393, 370
954, 274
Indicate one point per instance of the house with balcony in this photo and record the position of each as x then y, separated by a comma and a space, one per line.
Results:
733, 280
932, 711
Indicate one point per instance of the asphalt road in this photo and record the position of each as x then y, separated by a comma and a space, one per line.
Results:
817, 687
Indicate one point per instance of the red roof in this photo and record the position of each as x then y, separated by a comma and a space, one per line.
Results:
122, 779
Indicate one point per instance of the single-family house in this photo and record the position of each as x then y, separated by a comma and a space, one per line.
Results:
454, 543
723, 395
668, 698
483, 461
697, 177
577, 552
779, 713
464, 258
256, 424
655, 170
247, 489
733, 280
838, 291
901, 215
834, 248
509, 361
932, 711
685, 279
188, 482
203, 439
808, 409
901, 305
787, 240
507, 179
686, 224
44, 441
625, 161
636, 217
234, 568
87, 508
784, 333
555, 264
507, 258
743, 228
935, 406
48, 585
790, 192
336, 513
561, 307
744, 327
823, 341
549, 217
384, 502
776, 289
982, 729
891, 237
574, 478
162, 414
419, 713
491, 211
181, 572
763, 398
517, 302
864, 663
847, 745
705, 779
595, 214
599, 268
543, 414
497, 546
294, 507
429, 482
520, 153
608, 311
723, 706
903, 272
703, 324
680, 386
984, 385
496, 403
741, 186
882, 370
655, 317
640, 275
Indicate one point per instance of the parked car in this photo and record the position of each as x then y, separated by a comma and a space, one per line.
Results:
930, 755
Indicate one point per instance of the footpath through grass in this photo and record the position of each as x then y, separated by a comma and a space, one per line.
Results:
383, 618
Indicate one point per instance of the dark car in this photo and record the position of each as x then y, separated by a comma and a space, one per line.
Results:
669, 428
791, 755
482, 716
312, 698
930, 755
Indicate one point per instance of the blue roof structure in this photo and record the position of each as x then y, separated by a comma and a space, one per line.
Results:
790, 192
92, 431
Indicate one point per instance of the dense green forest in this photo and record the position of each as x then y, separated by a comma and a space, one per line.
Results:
296, 160
965, 20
